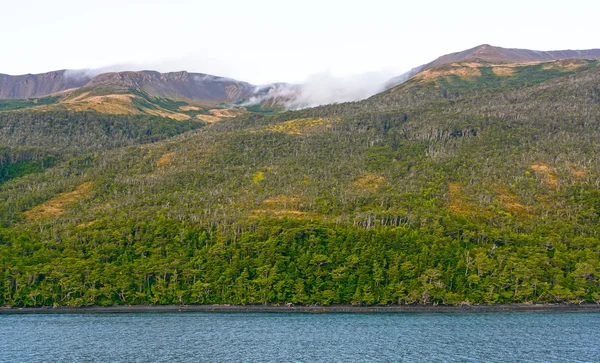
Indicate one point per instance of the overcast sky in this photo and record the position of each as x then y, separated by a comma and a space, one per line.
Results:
264, 41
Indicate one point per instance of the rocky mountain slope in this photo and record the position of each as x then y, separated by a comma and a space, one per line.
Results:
181, 86
39, 85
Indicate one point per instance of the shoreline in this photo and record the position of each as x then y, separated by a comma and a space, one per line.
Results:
315, 309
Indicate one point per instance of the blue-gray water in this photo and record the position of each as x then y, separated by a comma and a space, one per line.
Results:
212, 337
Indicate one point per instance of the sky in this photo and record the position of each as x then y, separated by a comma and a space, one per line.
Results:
262, 41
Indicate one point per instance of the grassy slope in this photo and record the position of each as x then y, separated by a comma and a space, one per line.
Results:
446, 191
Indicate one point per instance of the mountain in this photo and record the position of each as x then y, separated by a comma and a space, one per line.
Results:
491, 54
486, 53
467, 184
183, 95
181, 86
177, 95
39, 85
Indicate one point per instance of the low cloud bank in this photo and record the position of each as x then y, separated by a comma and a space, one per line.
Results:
323, 88
317, 89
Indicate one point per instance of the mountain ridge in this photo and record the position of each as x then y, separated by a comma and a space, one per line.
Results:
492, 54
38, 85
203, 88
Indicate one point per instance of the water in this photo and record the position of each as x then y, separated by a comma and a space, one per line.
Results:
213, 337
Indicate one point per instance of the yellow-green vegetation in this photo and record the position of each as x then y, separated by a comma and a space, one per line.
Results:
284, 206
368, 182
258, 177
301, 126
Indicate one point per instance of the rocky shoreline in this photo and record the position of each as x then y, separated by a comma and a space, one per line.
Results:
587, 308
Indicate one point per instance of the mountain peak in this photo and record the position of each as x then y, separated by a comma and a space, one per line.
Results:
493, 54
486, 53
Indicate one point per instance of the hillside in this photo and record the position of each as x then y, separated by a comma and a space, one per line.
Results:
31, 142
491, 54
487, 54
466, 186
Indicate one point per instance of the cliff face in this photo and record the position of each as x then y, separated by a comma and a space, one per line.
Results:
38, 85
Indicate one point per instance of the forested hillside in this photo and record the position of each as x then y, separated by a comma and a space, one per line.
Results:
471, 183
32, 141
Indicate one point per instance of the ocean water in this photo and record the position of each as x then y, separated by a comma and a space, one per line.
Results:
257, 337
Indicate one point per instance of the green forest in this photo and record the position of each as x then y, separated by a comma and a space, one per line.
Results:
455, 189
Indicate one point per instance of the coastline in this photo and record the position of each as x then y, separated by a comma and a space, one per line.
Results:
315, 309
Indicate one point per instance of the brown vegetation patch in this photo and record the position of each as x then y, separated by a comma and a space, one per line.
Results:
284, 213
172, 115
300, 126
470, 64
509, 201
284, 206
459, 203
116, 104
547, 171
55, 206
458, 70
368, 182
577, 171
456, 199
189, 108
208, 118
165, 159
228, 112
571, 64
283, 201
112, 104
503, 71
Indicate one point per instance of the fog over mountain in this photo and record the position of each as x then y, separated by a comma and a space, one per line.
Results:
317, 89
